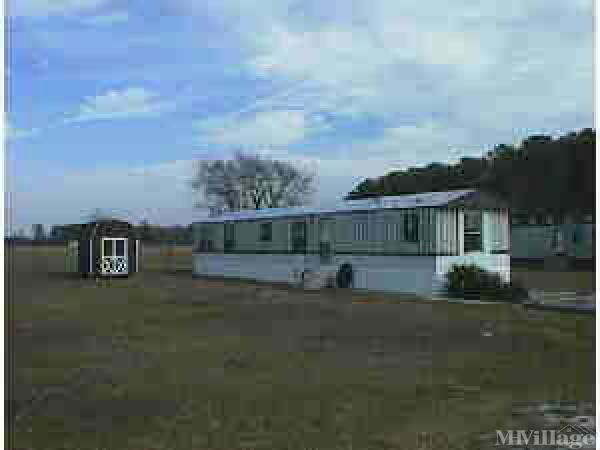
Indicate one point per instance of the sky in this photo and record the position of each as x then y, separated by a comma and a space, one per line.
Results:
110, 102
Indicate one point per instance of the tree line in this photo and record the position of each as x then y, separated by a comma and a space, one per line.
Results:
542, 174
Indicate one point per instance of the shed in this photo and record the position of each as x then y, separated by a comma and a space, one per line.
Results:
105, 248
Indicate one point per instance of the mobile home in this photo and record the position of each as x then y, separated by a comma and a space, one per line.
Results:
402, 243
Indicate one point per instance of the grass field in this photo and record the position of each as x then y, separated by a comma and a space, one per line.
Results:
164, 361
536, 278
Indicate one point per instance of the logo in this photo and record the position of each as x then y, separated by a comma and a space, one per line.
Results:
569, 437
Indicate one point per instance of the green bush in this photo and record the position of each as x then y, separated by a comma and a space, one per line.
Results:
471, 282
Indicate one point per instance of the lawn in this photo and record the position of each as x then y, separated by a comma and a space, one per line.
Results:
164, 361
572, 280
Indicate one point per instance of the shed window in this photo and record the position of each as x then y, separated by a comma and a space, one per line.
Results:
108, 247
229, 237
120, 247
472, 231
266, 232
411, 227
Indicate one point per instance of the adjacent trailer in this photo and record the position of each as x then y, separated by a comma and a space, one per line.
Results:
105, 248
401, 243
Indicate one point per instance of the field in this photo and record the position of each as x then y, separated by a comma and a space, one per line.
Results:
164, 361
535, 277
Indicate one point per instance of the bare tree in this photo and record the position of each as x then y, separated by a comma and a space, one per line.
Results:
251, 181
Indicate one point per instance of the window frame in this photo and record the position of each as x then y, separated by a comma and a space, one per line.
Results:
473, 232
410, 230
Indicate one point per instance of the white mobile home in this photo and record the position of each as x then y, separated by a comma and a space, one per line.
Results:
402, 243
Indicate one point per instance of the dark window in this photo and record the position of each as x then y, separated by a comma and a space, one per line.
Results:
472, 231
205, 239
411, 227
120, 248
266, 232
298, 233
108, 247
473, 221
518, 219
204, 246
229, 237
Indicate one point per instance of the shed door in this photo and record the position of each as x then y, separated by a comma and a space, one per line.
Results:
114, 256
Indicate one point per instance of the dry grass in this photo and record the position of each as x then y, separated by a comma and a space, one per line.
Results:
164, 361
555, 281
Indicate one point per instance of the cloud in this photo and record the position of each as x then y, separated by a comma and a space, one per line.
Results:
109, 19
133, 102
43, 8
273, 128
473, 74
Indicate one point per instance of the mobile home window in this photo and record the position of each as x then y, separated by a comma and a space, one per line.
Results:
229, 237
360, 231
205, 241
391, 231
411, 227
472, 231
266, 232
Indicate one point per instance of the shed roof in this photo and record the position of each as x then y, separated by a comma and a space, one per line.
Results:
108, 227
421, 200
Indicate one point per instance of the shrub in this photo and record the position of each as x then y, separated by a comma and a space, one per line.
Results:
471, 282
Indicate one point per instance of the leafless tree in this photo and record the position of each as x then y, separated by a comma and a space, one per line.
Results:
251, 181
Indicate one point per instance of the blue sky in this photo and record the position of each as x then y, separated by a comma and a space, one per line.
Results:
111, 101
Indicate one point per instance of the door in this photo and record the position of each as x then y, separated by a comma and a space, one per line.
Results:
326, 240
114, 256
473, 226
298, 232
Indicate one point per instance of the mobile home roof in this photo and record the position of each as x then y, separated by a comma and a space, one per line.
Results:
422, 200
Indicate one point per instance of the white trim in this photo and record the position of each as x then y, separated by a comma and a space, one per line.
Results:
91, 268
114, 247
137, 255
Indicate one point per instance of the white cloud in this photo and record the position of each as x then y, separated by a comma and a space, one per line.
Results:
109, 19
42, 8
274, 128
492, 71
128, 103
408, 143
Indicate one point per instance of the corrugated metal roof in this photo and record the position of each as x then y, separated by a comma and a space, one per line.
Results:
422, 200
